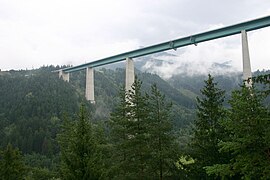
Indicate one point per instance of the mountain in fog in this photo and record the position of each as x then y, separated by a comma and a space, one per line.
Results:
167, 65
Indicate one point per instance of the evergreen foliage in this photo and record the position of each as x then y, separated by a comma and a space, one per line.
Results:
207, 129
139, 140
31, 105
137, 146
119, 137
78, 149
163, 147
11, 164
143, 143
248, 124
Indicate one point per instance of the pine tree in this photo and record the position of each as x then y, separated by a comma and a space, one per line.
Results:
207, 131
11, 164
162, 141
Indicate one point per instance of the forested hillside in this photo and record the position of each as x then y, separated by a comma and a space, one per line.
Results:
39, 116
107, 85
34, 102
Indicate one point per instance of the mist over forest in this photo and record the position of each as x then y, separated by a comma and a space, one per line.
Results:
47, 124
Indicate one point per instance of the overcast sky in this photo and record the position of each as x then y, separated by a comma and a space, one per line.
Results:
44, 32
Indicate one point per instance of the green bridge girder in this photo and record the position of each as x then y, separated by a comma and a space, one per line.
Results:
177, 43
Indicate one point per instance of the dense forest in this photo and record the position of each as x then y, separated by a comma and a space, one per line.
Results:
187, 127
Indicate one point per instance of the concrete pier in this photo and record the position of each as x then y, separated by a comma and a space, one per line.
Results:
64, 76
89, 88
130, 76
246, 59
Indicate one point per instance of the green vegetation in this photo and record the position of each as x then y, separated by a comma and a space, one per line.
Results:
155, 131
79, 156
11, 164
144, 145
207, 131
248, 124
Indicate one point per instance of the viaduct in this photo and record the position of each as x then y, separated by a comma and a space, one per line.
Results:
242, 28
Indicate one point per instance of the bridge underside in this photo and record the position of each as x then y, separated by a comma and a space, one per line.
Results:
193, 39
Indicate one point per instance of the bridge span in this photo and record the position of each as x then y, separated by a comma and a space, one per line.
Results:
241, 28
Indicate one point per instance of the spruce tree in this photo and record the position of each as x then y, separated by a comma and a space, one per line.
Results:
248, 126
141, 130
163, 147
78, 149
138, 149
129, 124
207, 129
119, 137
11, 164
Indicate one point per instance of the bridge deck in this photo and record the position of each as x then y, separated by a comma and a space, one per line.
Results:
174, 44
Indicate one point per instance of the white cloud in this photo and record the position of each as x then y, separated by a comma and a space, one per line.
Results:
35, 32
259, 44
200, 59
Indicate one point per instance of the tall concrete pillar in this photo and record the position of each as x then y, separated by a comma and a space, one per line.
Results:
89, 89
130, 76
246, 59
63, 75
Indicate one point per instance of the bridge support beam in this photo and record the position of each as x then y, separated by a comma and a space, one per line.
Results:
130, 76
246, 59
64, 76
89, 89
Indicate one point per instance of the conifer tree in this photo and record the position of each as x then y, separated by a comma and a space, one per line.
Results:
138, 149
162, 141
119, 137
11, 164
207, 131
143, 144
78, 149
248, 126
129, 134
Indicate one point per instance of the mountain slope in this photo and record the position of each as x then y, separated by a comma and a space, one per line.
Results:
33, 103
107, 83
